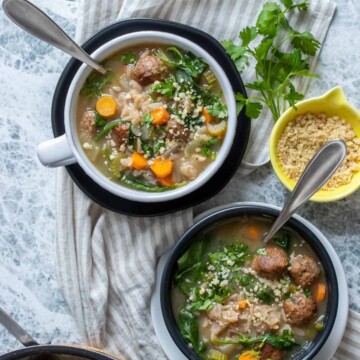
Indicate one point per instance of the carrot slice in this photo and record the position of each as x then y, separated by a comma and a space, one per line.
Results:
106, 106
242, 304
249, 355
206, 115
252, 232
160, 116
166, 181
138, 161
320, 292
162, 167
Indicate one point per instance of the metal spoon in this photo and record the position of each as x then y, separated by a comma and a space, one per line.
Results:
37, 23
318, 171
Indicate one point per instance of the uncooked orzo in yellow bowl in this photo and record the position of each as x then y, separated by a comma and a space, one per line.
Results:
298, 134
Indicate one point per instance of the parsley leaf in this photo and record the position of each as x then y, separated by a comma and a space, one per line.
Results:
261, 252
269, 20
305, 42
206, 148
147, 119
165, 87
236, 53
95, 83
129, 58
218, 109
275, 68
252, 108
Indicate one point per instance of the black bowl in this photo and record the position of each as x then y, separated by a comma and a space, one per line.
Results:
233, 212
218, 180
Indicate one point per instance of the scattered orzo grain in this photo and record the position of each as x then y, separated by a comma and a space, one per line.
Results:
304, 135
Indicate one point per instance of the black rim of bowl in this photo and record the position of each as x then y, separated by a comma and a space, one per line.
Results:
228, 213
43, 350
211, 187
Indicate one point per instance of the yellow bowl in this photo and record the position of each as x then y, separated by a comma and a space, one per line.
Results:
333, 103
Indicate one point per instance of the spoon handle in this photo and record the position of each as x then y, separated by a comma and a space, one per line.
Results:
37, 23
318, 171
15, 329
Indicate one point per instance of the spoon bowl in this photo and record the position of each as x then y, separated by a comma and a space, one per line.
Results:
318, 171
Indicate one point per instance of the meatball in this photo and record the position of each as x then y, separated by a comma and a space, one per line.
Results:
87, 122
121, 134
177, 131
304, 270
269, 352
271, 265
150, 68
299, 309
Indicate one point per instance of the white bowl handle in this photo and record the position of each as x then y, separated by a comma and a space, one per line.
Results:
55, 152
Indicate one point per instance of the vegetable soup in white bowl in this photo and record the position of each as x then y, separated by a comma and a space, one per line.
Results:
156, 127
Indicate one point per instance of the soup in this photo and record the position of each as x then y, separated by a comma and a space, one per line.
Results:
236, 298
155, 121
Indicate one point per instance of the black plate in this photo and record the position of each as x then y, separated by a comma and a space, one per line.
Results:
226, 171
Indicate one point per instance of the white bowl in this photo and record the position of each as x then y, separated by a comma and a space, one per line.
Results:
66, 149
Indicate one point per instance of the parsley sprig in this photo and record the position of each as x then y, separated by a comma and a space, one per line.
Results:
275, 68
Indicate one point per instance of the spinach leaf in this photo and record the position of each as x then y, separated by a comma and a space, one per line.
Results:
283, 239
132, 182
285, 341
190, 64
99, 120
190, 267
189, 328
266, 295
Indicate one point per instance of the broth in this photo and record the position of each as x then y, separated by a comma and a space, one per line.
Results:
155, 122
234, 297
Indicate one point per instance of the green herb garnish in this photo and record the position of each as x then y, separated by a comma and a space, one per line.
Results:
275, 69
147, 119
217, 108
129, 58
261, 252
165, 87
95, 83
207, 147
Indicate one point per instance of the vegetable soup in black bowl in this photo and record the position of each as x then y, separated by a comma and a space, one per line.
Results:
227, 296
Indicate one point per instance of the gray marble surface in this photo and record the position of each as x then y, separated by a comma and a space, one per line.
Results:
29, 70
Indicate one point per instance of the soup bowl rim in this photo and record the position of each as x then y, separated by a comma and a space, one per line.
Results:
232, 211
105, 51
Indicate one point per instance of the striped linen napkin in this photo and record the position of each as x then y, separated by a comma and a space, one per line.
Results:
106, 261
